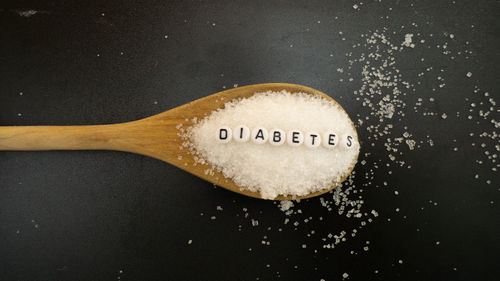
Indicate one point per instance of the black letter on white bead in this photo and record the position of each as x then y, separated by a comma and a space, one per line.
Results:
241, 133
224, 134
259, 135
312, 140
294, 138
348, 141
330, 139
277, 137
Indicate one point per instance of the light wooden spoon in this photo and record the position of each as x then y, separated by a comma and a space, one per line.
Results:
155, 136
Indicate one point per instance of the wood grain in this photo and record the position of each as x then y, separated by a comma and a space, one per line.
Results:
155, 136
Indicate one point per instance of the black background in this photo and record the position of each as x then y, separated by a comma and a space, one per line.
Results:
102, 215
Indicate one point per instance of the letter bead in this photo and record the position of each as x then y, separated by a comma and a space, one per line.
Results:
330, 139
277, 137
224, 134
259, 135
241, 133
348, 141
294, 138
312, 140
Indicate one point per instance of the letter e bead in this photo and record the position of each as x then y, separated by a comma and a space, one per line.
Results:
294, 138
330, 139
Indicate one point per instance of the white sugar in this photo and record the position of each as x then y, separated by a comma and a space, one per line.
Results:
408, 41
285, 205
277, 170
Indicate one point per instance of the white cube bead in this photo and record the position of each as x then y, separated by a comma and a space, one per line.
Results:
259, 135
330, 139
312, 139
277, 137
294, 138
241, 133
223, 134
347, 141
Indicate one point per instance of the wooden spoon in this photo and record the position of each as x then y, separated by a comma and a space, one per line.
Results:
155, 136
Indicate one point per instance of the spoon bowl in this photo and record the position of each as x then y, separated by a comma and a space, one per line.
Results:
156, 136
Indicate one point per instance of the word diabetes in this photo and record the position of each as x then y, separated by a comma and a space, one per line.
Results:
277, 137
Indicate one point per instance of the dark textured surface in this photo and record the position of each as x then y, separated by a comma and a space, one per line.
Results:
86, 215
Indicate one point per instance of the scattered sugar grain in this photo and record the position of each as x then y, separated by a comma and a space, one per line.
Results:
285, 205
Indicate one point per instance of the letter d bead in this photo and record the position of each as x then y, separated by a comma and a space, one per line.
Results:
224, 134
294, 138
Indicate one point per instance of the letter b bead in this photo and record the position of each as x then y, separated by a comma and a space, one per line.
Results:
277, 137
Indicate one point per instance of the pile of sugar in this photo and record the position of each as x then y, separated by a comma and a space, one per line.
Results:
276, 170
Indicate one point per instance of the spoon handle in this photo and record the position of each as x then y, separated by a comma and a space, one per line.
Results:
88, 137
